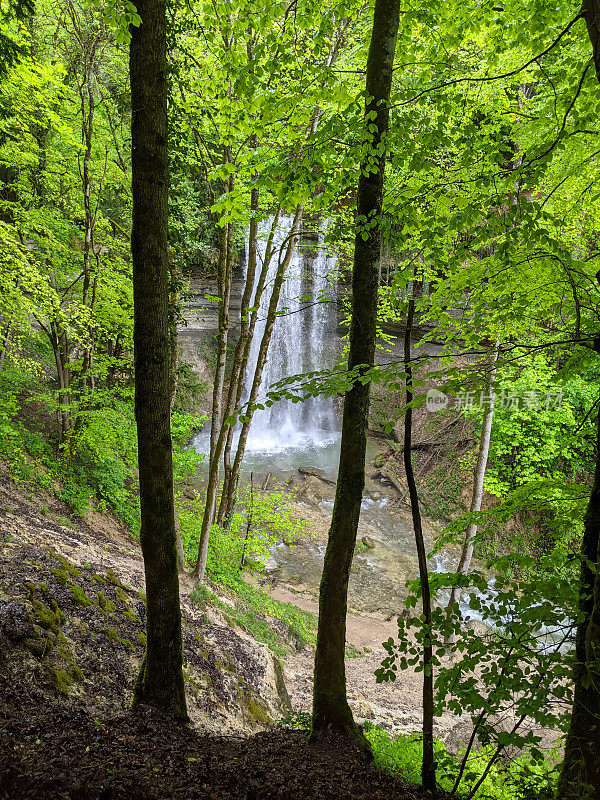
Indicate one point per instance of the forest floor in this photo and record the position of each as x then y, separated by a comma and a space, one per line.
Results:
57, 753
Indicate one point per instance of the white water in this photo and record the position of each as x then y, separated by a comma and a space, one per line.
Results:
303, 340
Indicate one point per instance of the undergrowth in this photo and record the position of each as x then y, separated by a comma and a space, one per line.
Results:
519, 778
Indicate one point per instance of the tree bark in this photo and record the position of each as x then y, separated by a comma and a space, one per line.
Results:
591, 12
330, 704
428, 763
160, 680
580, 774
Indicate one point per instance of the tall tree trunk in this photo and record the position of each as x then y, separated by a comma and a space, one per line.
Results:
240, 366
591, 12
60, 347
479, 475
330, 704
236, 382
580, 774
160, 680
428, 763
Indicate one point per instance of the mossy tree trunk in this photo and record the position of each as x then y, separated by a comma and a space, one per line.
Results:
580, 773
160, 681
330, 705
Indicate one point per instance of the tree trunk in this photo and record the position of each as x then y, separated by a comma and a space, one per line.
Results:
173, 381
234, 392
591, 12
580, 774
581, 765
245, 343
428, 763
60, 346
330, 704
160, 680
480, 468
211, 495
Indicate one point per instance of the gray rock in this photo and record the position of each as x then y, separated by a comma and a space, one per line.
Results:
315, 471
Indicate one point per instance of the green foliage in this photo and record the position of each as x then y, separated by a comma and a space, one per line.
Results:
521, 778
281, 626
530, 630
264, 520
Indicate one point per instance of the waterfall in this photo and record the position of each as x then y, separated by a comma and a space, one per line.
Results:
303, 340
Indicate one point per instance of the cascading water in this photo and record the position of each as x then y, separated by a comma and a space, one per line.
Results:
287, 435
303, 340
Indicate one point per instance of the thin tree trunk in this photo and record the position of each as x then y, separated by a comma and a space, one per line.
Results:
261, 361
237, 373
60, 347
224, 292
330, 704
478, 478
160, 680
88, 107
243, 352
174, 368
5, 343
428, 763
211, 492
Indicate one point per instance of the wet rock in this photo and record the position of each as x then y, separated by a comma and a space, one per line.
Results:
314, 471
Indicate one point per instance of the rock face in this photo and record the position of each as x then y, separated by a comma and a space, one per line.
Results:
72, 623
